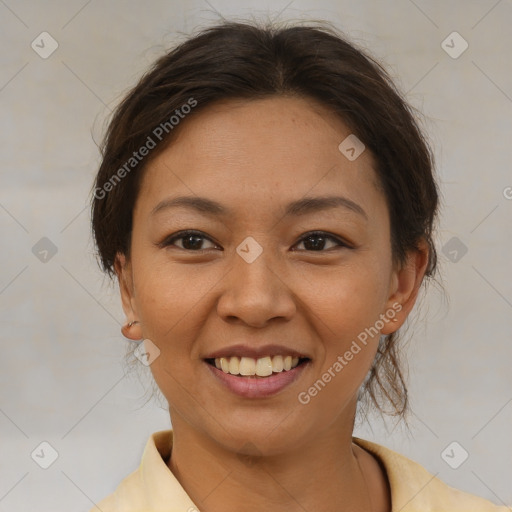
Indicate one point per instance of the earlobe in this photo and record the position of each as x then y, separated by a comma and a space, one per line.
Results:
132, 331
405, 285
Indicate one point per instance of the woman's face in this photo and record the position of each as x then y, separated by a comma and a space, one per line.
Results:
253, 283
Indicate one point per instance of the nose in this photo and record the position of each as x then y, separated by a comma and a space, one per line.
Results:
255, 293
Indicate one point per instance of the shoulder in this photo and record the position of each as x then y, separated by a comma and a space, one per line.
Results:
126, 497
152, 486
413, 488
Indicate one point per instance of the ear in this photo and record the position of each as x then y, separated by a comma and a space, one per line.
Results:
405, 284
123, 270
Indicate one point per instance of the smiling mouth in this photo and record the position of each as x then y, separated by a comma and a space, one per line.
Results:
261, 367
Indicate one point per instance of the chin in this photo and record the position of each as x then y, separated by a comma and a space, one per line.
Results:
259, 433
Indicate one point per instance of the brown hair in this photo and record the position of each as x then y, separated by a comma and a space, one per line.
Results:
245, 61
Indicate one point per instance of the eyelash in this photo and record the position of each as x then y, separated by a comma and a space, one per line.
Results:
183, 234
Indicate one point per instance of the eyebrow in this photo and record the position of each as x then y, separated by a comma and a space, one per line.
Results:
296, 208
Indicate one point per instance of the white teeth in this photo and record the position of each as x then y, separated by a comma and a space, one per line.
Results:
262, 367
234, 363
224, 364
277, 364
247, 366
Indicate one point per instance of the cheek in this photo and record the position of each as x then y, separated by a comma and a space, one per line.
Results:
174, 302
173, 317
347, 306
171, 300
349, 298
343, 319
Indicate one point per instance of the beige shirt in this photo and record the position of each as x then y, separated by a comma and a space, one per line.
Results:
154, 488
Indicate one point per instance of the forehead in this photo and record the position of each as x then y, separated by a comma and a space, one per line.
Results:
261, 151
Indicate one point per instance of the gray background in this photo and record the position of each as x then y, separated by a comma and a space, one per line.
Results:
62, 375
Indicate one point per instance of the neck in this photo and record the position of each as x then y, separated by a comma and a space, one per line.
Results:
327, 473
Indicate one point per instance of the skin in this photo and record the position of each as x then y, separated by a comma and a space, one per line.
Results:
255, 157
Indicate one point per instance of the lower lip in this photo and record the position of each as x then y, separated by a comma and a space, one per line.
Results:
258, 387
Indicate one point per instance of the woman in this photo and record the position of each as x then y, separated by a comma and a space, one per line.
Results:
267, 203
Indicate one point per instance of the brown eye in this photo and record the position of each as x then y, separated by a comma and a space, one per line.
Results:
190, 241
317, 241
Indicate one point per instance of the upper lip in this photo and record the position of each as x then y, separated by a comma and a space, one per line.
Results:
255, 352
